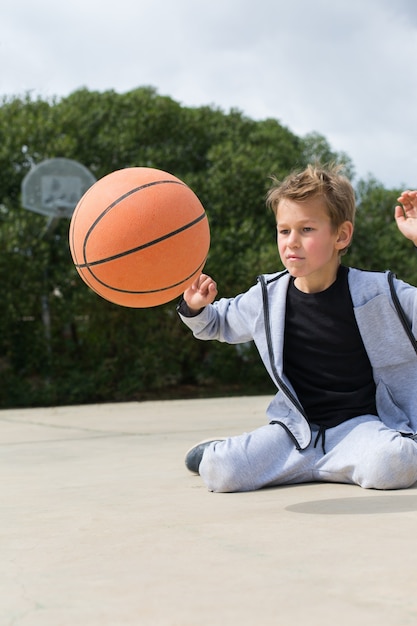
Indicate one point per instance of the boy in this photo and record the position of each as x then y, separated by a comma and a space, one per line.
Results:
332, 342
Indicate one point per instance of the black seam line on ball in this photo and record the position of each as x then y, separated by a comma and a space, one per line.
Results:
117, 201
143, 246
134, 292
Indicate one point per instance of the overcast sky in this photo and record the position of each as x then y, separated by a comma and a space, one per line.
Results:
346, 69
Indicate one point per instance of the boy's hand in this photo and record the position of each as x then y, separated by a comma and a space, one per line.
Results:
201, 293
406, 215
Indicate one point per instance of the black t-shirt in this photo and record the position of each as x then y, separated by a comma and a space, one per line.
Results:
324, 356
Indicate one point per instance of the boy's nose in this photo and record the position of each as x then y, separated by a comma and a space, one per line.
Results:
293, 240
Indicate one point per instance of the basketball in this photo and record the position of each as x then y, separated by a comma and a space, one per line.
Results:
139, 237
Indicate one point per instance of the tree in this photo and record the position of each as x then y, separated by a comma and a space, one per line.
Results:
316, 148
377, 243
60, 342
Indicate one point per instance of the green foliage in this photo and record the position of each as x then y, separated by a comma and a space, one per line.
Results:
317, 149
377, 243
59, 342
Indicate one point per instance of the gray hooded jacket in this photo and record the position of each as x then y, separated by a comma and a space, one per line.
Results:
259, 315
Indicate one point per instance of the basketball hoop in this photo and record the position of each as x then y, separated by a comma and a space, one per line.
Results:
54, 187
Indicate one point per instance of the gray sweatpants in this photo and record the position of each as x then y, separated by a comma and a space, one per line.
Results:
361, 451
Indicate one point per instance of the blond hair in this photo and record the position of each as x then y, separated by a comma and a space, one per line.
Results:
324, 182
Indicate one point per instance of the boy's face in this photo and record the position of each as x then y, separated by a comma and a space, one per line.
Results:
308, 244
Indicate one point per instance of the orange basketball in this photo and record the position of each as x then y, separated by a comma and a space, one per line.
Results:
139, 237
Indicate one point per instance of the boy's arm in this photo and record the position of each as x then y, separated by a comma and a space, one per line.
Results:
406, 215
230, 320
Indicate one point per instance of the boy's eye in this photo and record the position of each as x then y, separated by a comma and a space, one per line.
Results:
287, 231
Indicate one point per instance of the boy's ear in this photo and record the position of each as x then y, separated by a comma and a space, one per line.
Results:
345, 234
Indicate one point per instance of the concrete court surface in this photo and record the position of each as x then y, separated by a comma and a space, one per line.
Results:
102, 525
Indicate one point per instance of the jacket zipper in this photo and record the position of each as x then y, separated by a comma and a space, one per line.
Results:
281, 385
400, 311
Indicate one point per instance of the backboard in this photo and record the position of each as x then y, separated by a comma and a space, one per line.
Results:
54, 187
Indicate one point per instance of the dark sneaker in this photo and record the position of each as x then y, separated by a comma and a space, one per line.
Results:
195, 454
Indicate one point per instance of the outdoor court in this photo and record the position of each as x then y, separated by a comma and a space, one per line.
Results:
102, 525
